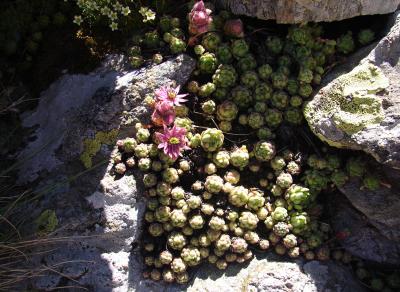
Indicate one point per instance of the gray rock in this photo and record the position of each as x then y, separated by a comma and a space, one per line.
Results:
271, 274
360, 110
100, 213
357, 234
298, 11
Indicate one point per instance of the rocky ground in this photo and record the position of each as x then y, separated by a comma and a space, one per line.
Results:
80, 117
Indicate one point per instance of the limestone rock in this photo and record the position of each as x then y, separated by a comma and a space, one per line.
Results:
77, 123
360, 110
298, 11
270, 274
360, 237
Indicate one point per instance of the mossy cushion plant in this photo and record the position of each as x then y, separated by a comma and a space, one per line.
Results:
220, 183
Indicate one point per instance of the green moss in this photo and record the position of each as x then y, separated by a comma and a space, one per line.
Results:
351, 101
46, 222
92, 146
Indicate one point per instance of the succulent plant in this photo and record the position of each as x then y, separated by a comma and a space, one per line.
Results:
294, 116
240, 157
227, 111
293, 168
214, 184
290, 240
279, 80
216, 223
224, 54
280, 249
255, 120
207, 89
232, 176
191, 256
194, 202
212, 139
246, 63
299, 221
225, 76
156, 229
262, 92
223, 243
193, 86
296, 101
251, 237
208, 107
279, 214
371, 182
239, 48
280, 99
170, 175
177, 45
256, 199
323, 253
176, 240
265, 71
249, 79
178, 218
238, 245
264, 151
356, 166
281, 229
248, 220
274, 45
182, 278
120, 168
210, 168
144, 164
211, 41
207, 63
265, 133
284, 180
366, 36
273, 117
339, 178
239, 196
199, 50
178, 265
315, 179
241, 96
221, 159
142, 151
345, 43
305, 90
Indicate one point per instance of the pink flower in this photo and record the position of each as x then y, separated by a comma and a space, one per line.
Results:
199, 18
234, 28
164, 113
169, 94
173, 141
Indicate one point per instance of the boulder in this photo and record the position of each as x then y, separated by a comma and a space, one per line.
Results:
370, 218
299, 11
271, 274
360, 109
75, 127
358, 236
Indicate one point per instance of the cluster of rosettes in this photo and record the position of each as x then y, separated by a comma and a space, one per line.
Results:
220, 221
262, 96
168, 32
224, 199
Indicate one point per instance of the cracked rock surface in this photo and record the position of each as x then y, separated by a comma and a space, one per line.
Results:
298, 11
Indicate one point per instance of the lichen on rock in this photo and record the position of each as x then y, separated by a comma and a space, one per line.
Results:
347, 105
92, 146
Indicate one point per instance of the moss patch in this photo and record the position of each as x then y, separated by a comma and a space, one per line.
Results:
351, 101
46, 222
92, 146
